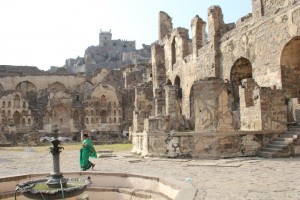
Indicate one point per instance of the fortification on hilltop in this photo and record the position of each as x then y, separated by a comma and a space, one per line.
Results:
108, 54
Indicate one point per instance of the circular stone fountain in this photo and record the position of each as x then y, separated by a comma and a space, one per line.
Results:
55, 186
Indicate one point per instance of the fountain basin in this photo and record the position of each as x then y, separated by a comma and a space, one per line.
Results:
112, 186
39, 189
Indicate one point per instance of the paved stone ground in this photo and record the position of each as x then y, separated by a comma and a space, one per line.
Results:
238, 178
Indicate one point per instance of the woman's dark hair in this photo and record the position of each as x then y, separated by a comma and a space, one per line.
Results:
85, 135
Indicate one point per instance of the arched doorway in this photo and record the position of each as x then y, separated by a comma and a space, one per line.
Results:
16, 117
240, 70
178, 93
290, 72
61, 117
103, 116
290, 68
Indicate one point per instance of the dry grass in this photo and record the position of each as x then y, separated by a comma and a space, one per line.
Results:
71, 146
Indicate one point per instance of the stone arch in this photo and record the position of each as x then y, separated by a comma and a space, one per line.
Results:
56, 87
61, 117
290, 68
240, 70
84, 90
103, 115
169, 82
26, 86
16, 117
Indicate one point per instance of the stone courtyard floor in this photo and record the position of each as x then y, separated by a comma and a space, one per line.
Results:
236, 178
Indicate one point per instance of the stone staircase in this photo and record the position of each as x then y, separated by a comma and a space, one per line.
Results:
283, 145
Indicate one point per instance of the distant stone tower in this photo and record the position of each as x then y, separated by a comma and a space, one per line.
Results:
104, 37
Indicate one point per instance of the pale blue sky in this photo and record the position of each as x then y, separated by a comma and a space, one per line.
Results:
45, 33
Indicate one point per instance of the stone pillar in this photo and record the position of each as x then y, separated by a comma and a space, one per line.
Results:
215, 30
170, 92
159, 102
158, 65
198, 34
165, 25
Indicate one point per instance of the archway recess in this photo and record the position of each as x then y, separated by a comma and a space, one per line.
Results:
240, 70
290, 68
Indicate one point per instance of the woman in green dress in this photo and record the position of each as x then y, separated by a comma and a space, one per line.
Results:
86, 152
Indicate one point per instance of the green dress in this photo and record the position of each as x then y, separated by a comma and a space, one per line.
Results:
86, 152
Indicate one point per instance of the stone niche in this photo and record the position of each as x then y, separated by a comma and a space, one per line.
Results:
212, 106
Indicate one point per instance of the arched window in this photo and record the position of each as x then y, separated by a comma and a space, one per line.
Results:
17, 101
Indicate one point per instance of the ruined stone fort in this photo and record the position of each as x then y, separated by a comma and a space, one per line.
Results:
229, 90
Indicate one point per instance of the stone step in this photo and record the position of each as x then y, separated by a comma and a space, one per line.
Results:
277, 146
273, 149
294, 128
292, 132
281, 142
265, 154
284, 139
288, 135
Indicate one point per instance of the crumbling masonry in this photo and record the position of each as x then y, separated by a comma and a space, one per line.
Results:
226, 93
